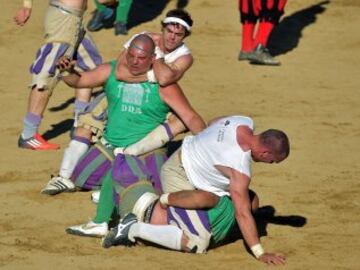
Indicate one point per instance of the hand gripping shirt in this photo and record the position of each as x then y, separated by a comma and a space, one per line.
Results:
216, 145
134, 110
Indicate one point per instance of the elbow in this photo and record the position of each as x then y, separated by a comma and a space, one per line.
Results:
165, 80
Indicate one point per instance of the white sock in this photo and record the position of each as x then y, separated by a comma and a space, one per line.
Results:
71, 157
164, 235
155, 139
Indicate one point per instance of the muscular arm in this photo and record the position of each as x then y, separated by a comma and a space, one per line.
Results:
193, 199
89, 79
167, 74
239, 192
175, 98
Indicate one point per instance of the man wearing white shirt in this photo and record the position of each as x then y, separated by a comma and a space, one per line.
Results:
218, 160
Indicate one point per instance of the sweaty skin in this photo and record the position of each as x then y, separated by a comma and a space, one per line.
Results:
79, 4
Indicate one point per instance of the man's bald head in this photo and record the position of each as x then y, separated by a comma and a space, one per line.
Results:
143, 42
140, 54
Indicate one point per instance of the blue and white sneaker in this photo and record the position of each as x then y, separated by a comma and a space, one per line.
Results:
120, 234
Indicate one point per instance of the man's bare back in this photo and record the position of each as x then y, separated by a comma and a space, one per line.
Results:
78, 4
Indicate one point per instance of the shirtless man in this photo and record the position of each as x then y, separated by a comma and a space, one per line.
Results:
64, 35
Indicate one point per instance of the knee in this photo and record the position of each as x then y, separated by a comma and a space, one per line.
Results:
194, 244
83, 132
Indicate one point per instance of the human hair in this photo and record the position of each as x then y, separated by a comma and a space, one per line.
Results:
181, 14
277, 141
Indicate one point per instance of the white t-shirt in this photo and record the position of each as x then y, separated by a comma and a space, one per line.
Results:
169, 57
216, 145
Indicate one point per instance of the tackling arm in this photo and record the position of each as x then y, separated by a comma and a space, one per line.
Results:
239, 192
189, 199
175, 98
89, 79
167, 74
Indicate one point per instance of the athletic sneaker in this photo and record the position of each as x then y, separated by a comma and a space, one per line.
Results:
120, 234
37, 142
58, 184
245, 55
101, 19
120, 28
95, 196
90, 229
262, 56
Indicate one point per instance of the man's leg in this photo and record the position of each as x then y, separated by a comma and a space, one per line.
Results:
90, 122
76, 149
122, 12
188, 230
82, 99
269, 16
78, 146
168, 236
98, 227
44, 80
88, 173
125, 182
87, 58
30, 138
248, 20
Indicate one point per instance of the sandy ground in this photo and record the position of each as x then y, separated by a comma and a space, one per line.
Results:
314, 96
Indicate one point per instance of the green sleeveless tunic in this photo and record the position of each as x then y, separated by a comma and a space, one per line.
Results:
222, 219
134, 110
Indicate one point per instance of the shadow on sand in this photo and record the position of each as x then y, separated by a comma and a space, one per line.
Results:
65, 125
263, 216
142, 11
286, 35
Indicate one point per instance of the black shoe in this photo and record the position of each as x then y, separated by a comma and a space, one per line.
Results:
120, 234
120, 28
100, 19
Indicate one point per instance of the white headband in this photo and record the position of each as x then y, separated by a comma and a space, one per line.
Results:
177, 20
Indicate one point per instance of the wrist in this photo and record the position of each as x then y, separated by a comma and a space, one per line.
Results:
151, 76
257, 250
27, 4
159, 54
164, 199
